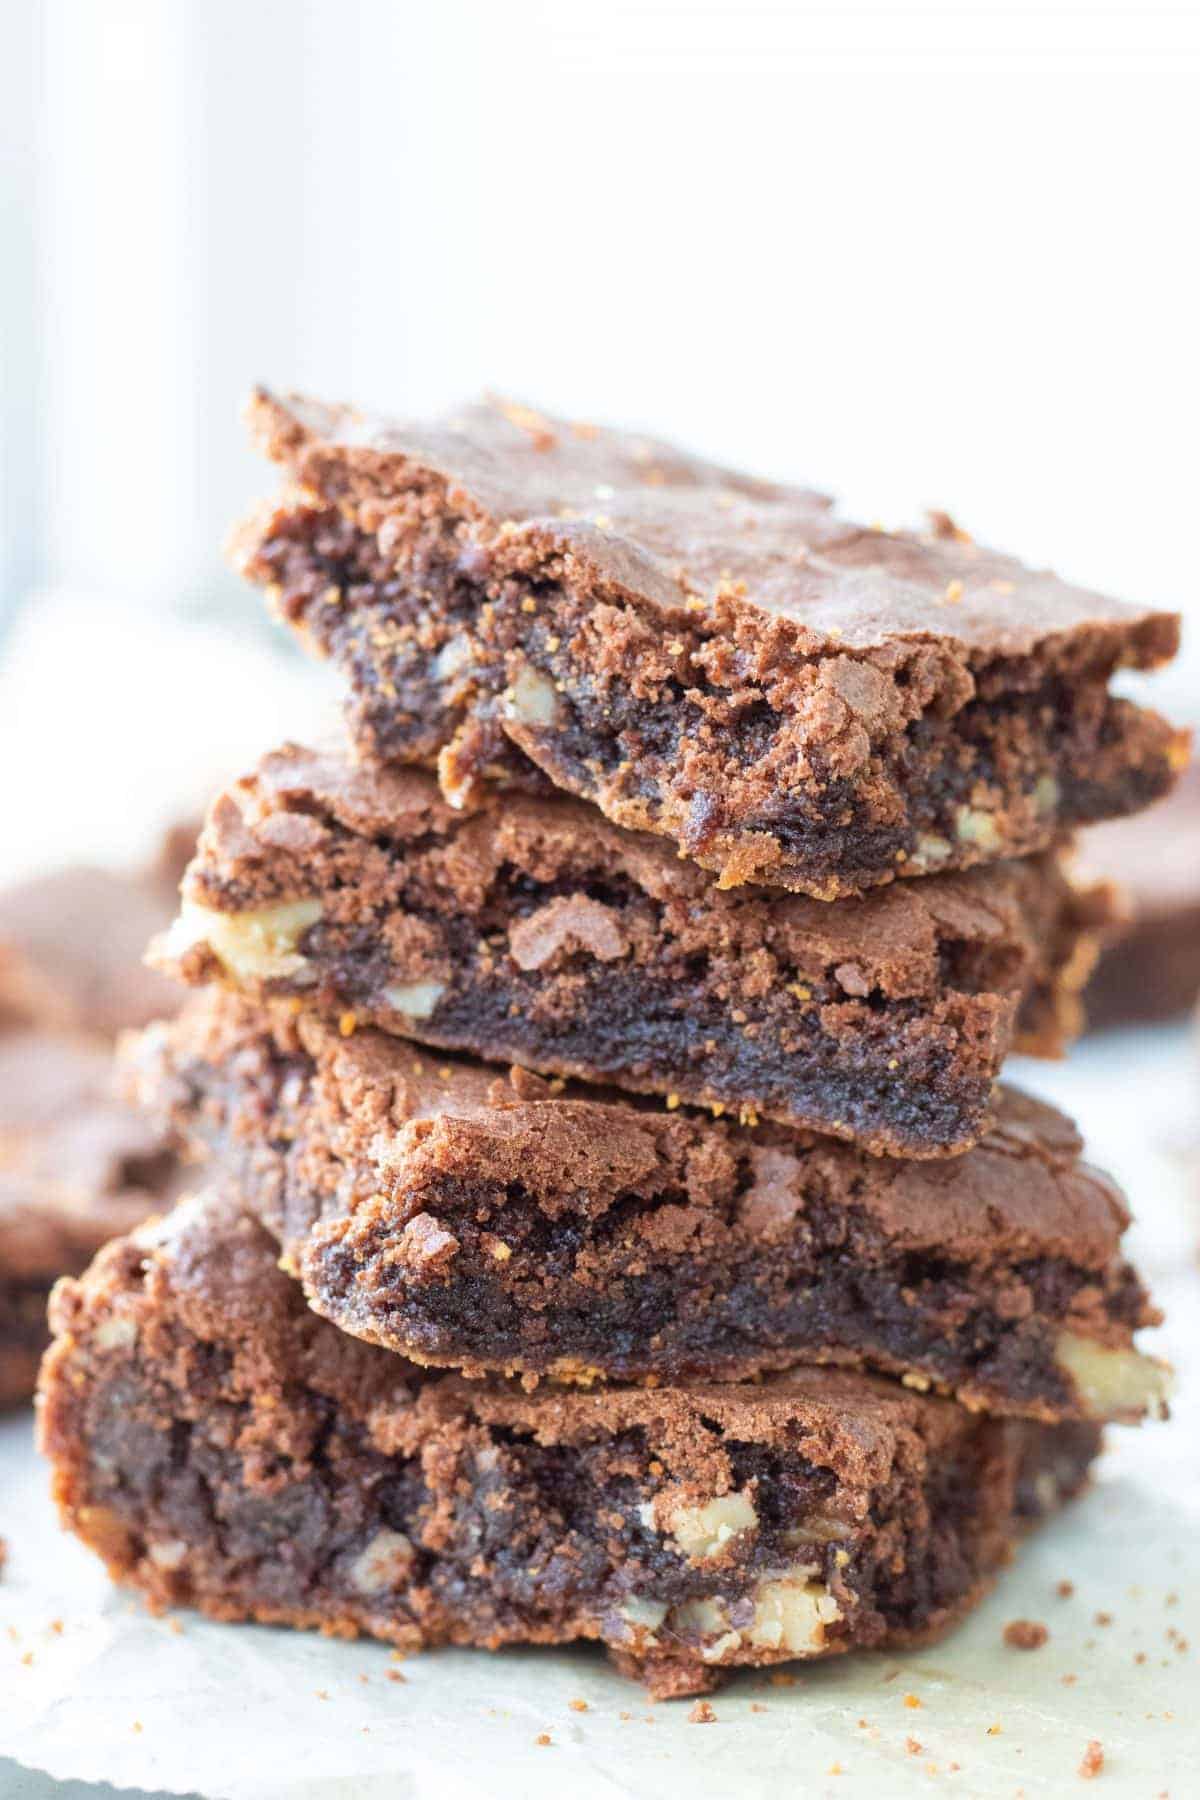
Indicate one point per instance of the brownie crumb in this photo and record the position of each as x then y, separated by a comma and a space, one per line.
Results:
543, 1738
1065, 1589
578, 1705
702, 1714
911, 1700
1025, 1634
913, 1746
1093, 1760
1104, 1618
395, 1675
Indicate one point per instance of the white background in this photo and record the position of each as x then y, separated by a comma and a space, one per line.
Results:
940, 254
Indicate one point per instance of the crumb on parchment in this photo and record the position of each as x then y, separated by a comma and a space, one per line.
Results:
1025, 1634
1093, 1760
702, 1714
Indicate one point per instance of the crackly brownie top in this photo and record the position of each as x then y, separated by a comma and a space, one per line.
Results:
218, 1271
280, 834
71, 949
628, 517
406, 1115
77, 1165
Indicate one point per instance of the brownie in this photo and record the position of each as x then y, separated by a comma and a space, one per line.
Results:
77, 1166
71, 951
496, 1224
532, 930
788, 698
222, 1447
1151, 969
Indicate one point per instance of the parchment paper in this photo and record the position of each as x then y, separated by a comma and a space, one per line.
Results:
92, 1687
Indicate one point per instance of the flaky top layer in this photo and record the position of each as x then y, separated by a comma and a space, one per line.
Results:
634, 518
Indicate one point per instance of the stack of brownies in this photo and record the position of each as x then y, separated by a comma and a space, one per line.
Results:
613, 1227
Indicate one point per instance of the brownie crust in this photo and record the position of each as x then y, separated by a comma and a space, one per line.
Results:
513, 1225
533, 931
790, 699
221, 1447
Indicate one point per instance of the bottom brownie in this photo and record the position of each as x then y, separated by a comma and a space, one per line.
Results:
220, 1446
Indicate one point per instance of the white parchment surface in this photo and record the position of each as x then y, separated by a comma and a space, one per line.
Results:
92, 1687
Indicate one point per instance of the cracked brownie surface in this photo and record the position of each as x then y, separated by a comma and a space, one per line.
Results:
490, 1223
221, 1447
789, 698
532, 930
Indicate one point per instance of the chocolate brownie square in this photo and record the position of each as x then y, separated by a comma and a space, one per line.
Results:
786, 697
514, 1225
532, 930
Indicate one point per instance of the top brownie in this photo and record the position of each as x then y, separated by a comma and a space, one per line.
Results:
790, 698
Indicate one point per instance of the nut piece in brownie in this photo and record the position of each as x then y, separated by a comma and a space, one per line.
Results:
789, 698
71, 950
77, 1166
222, 1447
1151, 969
534, 931
485, 1223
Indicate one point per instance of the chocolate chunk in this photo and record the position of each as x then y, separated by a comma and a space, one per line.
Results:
221, 1447
533, 930
462, 1221
787, 697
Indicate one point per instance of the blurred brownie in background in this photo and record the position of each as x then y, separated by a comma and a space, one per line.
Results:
532, 930
1151, 969
72, 944
77, 1164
